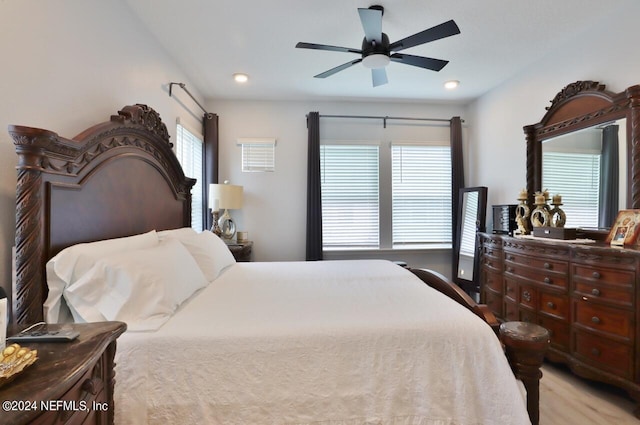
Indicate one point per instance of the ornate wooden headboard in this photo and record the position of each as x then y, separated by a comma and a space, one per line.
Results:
115, 179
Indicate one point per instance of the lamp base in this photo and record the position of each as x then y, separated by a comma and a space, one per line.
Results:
227, 225
215, 228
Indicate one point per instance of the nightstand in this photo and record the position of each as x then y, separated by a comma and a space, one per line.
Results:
241, 250
70, 383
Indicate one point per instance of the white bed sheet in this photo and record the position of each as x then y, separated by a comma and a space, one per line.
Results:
331, 342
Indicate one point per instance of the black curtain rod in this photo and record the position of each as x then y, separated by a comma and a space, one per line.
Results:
184, 87
385, 118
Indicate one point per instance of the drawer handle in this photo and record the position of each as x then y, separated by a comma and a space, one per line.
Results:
547, 280
527, 296
551, 305
546, 265
596, 275
509, 289
595, 292
595, 352
509, 257
509, 269
90, 386
596, 320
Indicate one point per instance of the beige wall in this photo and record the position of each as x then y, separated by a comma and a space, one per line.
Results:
606, 53
274, 211
70, 64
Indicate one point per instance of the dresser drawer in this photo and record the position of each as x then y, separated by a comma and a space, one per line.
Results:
527, 316
537, 263
528, 296
492, 263
492, 280
558, 330
494, 302
554, 305
602, 353
79, 399
603, 275
538, 276
511, 289
609, 320
622, 296
511, 311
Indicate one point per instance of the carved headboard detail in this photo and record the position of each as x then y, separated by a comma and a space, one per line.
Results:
78, 190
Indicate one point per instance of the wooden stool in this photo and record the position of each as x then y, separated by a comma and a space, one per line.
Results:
525, 346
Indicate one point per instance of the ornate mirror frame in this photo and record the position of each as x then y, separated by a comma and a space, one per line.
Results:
580, 105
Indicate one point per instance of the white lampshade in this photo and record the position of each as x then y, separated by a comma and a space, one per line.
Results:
225, 196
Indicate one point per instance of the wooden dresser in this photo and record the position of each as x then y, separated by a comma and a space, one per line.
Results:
586, 295
70, 383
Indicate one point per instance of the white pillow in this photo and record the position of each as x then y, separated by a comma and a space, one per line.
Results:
142, 288
209, 251
72, 262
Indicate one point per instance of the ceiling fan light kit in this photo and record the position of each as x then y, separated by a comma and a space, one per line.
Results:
376, 60
377, 52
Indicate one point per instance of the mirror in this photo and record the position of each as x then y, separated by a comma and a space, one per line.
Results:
588, 168
471, 217
578, 107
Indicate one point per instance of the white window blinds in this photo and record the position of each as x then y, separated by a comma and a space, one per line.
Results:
579, 176
190, 152
421, 193
258, 155
350, 195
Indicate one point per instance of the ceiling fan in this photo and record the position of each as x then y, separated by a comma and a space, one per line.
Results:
377, 52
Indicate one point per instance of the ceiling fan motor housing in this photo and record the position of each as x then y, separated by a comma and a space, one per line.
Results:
375, 55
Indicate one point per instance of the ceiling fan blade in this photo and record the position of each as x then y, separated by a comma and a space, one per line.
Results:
337, 69
443, 30
314, 46
419, 61
379, 77
371, 23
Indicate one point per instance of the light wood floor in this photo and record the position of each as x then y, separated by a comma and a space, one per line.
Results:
566, 399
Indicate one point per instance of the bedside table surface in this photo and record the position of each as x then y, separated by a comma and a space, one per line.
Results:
59, 366
241, 250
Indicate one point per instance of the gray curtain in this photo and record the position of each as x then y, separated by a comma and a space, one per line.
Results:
609, 177
211, 146
457, 179
314, 194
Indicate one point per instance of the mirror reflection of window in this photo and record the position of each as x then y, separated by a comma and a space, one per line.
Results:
468, 235
588, 169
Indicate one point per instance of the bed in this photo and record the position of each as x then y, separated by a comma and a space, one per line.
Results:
329, 342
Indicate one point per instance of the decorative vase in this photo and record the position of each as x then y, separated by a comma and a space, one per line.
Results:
540, 217
558, 217
522, 214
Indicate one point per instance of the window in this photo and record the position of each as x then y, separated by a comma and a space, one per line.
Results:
350, 196
190, 153
421, 193
579, 176
382, 197
258, 155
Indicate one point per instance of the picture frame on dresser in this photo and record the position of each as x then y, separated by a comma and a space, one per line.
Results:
625, 229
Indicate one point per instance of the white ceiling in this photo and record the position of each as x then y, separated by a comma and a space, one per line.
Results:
213, 39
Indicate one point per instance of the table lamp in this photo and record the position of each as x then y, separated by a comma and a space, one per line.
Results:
227, 197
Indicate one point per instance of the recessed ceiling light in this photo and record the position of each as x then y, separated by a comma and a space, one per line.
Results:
240, 78
450, 85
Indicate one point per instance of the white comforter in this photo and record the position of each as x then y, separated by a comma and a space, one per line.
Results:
332, 342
